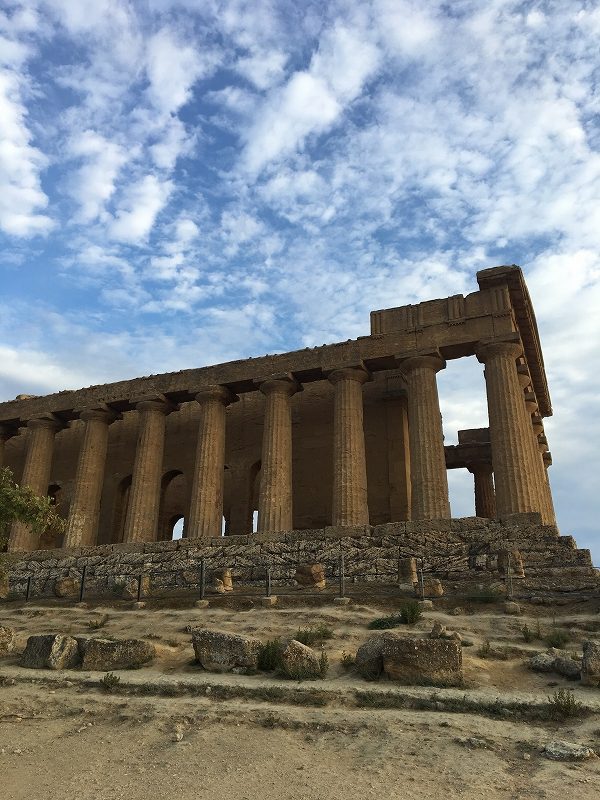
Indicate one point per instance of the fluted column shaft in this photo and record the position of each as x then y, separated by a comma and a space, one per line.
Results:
350, 506
548, 502
275, 511
485, 496
206, 506
36, 475
510, 430
144, 503
82, 525
427, 458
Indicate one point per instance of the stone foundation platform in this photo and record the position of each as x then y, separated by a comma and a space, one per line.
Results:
449, 549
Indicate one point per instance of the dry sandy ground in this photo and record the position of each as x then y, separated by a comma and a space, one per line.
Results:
60, 738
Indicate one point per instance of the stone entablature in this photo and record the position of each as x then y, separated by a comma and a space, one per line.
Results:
345, 434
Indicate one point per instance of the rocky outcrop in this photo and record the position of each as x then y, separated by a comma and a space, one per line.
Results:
217, 651
51, 651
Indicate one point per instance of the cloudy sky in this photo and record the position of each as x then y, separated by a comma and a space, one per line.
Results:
184, 182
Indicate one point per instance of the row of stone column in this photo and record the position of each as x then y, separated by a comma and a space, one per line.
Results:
520, 475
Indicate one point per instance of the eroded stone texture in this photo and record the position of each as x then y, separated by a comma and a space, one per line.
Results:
51, 651
108, 654
8, 638
485, 495
412, 660
217, 651
300, 661
206, 506
590, 666
349, 463
428, 465
275, 496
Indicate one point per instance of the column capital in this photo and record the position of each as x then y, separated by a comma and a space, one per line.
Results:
101, 413
479, 467
523, 375
279, 384
45, 421
531, 404
157, 403
547, 458
356, 373
508, 346
216, 392
543, 444
427, 359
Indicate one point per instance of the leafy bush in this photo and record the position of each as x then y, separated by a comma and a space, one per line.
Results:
410, 612
485, 650
314, 634
269, 655
557, 638
383, 623
109, 682
564, 704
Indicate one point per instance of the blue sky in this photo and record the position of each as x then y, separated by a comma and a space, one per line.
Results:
184, 183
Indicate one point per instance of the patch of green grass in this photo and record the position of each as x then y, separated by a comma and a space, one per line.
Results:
314, 634
409, 614
384, 623
557, 638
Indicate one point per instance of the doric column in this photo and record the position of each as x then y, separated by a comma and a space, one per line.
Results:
427, 458
396, 411
144, 503
550, 515
485, 497
36, 474
510, 429
206, 506
275, 498
82, 526
350, 505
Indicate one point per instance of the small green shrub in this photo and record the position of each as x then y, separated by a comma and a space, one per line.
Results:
564, 704
269, 655
323, 664
410, 612
527, 633
486, 594
99, 622
383, 623
347, 660
557, 638
485, 650
109, 682
314, 634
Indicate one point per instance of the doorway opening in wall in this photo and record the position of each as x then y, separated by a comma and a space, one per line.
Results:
254, 521
462, 495
177, 524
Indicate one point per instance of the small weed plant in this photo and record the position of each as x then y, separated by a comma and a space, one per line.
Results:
323, 664
269, 655
564, 705
527, 634
109, 682
347, 660
314, 634
557, 638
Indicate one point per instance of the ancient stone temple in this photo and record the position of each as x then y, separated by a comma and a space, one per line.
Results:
343, 437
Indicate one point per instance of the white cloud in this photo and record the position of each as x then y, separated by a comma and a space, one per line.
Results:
95, 181
21, 197
138, 209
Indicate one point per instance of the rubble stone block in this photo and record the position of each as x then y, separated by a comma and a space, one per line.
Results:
590, 665
108, 654
310, 576
52, 651
300, 661
412, 660
67, 587
218, 651
7, 640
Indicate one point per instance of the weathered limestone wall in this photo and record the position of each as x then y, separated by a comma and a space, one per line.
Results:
450, 548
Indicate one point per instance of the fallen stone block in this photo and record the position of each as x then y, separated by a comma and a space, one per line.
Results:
222, 581
108, 654
300, 661
369, 656
432, 587
567, 751
7, 640
51, 651
512, 608
423, 661
590, 665
310, 576
407, 570
217, 651
126, 586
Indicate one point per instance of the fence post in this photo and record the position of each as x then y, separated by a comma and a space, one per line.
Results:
421, 579
82, 587
268, 587
28, 589
342, 576
139, 588
202, 579
509, 584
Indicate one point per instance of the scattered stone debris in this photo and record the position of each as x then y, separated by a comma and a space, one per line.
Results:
7, 640
559, 661
472, 741
567, 751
